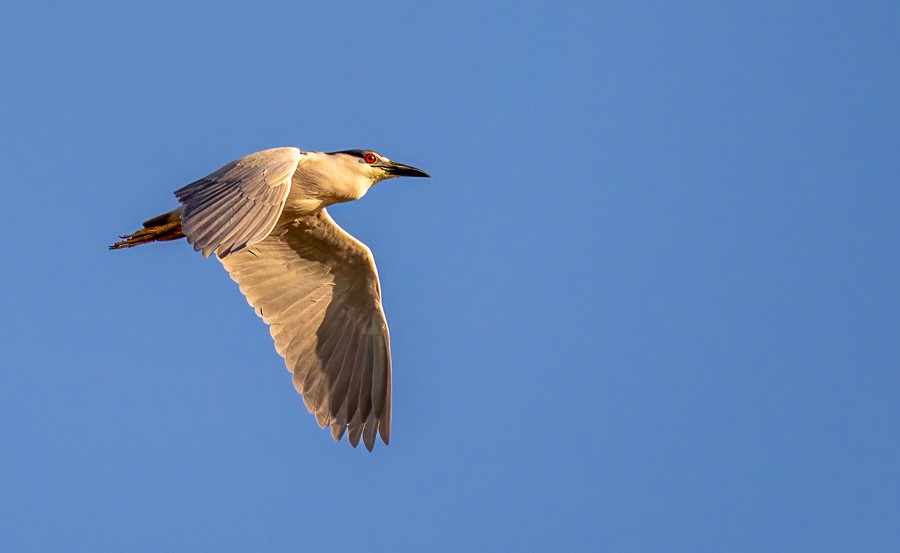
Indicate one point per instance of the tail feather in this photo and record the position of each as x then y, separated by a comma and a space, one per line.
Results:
163, 228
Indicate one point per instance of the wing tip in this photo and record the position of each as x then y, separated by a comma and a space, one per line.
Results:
368, 436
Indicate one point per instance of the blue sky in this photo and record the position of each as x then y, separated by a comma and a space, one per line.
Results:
648, 301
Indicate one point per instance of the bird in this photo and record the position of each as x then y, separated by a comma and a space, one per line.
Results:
264, 216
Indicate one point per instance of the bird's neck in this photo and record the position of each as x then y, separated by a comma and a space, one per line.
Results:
321, 180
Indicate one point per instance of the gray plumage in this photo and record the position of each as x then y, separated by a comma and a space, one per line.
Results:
240, 203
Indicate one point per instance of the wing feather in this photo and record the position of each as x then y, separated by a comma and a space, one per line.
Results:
364, 403
317, 288
240, 203
230, 240
341, 381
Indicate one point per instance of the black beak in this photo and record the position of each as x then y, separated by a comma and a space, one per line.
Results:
399, 170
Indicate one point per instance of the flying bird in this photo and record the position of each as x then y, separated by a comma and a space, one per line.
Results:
316, 286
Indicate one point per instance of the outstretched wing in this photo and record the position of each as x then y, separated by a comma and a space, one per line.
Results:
317, 288
240, 203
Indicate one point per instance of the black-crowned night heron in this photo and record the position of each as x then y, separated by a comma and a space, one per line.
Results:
315, 285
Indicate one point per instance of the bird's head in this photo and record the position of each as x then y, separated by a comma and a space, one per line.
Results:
374, 166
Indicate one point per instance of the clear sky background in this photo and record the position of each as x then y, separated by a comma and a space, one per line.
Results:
648, 302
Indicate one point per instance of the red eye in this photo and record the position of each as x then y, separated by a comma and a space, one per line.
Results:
370, 158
